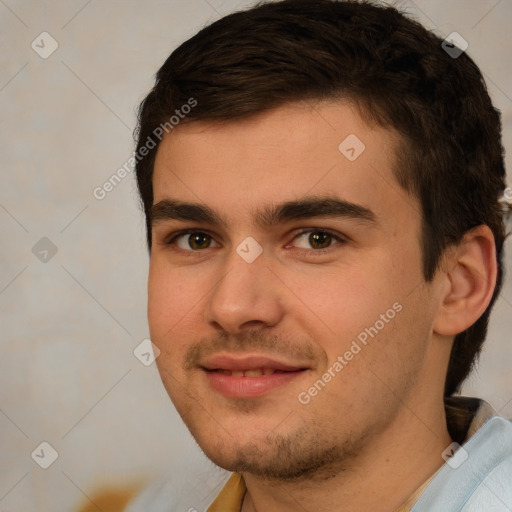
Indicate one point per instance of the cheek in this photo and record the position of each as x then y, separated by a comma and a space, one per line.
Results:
159, 297
165, 309
170, 299
340, 302
364, 311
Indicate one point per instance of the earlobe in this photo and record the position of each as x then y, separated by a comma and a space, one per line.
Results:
469, 281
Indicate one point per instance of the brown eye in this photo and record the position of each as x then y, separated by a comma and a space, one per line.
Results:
317, 239
198, 241
194, 241
320, 240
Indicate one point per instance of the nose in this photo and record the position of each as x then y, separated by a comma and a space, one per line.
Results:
248, 296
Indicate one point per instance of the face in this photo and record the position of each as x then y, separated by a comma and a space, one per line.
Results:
286, 292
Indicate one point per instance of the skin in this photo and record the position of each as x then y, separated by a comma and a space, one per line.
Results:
377, 430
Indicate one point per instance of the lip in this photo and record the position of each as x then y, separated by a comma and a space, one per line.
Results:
249, 387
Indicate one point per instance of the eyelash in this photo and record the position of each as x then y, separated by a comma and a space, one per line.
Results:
337, 240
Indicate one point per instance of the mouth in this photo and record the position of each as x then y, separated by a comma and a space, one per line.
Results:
250, 376
258, 372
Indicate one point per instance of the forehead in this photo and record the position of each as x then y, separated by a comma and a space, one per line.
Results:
300, 149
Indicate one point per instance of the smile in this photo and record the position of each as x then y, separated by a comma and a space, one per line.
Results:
236, 376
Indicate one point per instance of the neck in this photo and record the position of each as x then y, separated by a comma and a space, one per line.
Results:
382, 476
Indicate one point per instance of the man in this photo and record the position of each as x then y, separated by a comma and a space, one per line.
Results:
321, 181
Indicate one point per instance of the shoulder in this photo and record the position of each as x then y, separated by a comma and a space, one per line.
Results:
478, 477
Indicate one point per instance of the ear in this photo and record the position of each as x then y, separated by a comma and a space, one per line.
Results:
468, 281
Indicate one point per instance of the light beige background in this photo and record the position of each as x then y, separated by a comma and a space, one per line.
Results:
70, 325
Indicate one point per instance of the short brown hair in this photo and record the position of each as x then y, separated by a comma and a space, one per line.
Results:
399, 76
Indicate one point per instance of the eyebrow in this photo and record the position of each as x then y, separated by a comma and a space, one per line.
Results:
305, 208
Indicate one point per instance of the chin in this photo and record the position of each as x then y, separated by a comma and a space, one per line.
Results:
294, 457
